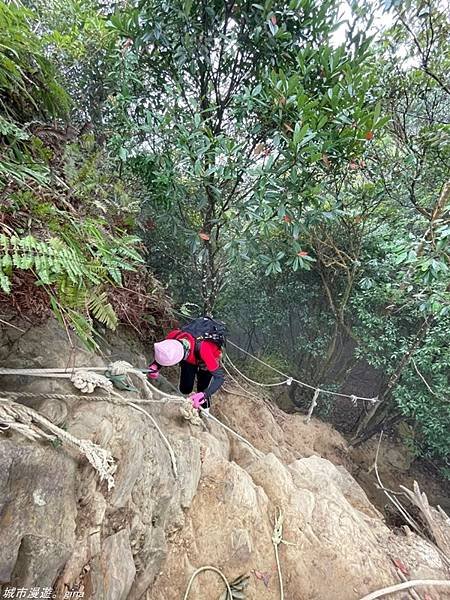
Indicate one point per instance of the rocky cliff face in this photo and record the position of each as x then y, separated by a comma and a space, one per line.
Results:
61, 529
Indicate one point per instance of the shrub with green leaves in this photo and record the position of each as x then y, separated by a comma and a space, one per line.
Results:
29, 90
75, 259
60, 207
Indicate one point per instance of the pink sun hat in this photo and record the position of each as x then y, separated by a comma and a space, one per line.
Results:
168, 352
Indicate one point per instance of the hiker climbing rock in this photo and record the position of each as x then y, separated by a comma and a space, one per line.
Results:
198, 348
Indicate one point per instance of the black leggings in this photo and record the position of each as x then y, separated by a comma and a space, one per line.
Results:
187, 380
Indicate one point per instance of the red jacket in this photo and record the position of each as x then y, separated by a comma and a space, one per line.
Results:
209, 352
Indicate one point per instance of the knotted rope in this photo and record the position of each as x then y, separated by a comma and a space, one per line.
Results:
189, 413
33, 425
277, 539
87, 381
56, 396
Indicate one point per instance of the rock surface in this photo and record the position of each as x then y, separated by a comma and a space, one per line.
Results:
145, 537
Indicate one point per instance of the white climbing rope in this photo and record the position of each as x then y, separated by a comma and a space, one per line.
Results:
240, 437
55, 396
163, 437
208, 568
123, 368
269, 405
406, 585
274, 384
290, 379
65, 373
237, 382
33, 425
277, 539
86, 380
190, 414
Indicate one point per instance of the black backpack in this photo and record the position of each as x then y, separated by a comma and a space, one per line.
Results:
205, 328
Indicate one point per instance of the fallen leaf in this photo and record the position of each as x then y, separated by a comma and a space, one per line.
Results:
400, 566
369, 135
263, 576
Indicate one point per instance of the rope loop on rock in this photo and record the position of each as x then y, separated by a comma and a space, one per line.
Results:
208, 568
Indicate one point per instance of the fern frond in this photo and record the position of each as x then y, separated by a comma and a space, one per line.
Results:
5, 282
70, 295
102, 310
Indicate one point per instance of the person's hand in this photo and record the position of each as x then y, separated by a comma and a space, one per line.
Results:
197, 400
153, 371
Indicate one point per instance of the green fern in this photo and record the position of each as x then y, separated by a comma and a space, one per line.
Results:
103, 311
55, 260
28, 89
74, 257
75, 268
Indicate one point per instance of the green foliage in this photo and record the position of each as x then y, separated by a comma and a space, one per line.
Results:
421, 395
28, 90
235, 114
73, 265
328, 161
67, 260
74, 254
102, 310
86, 53
27, 79
295, 185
